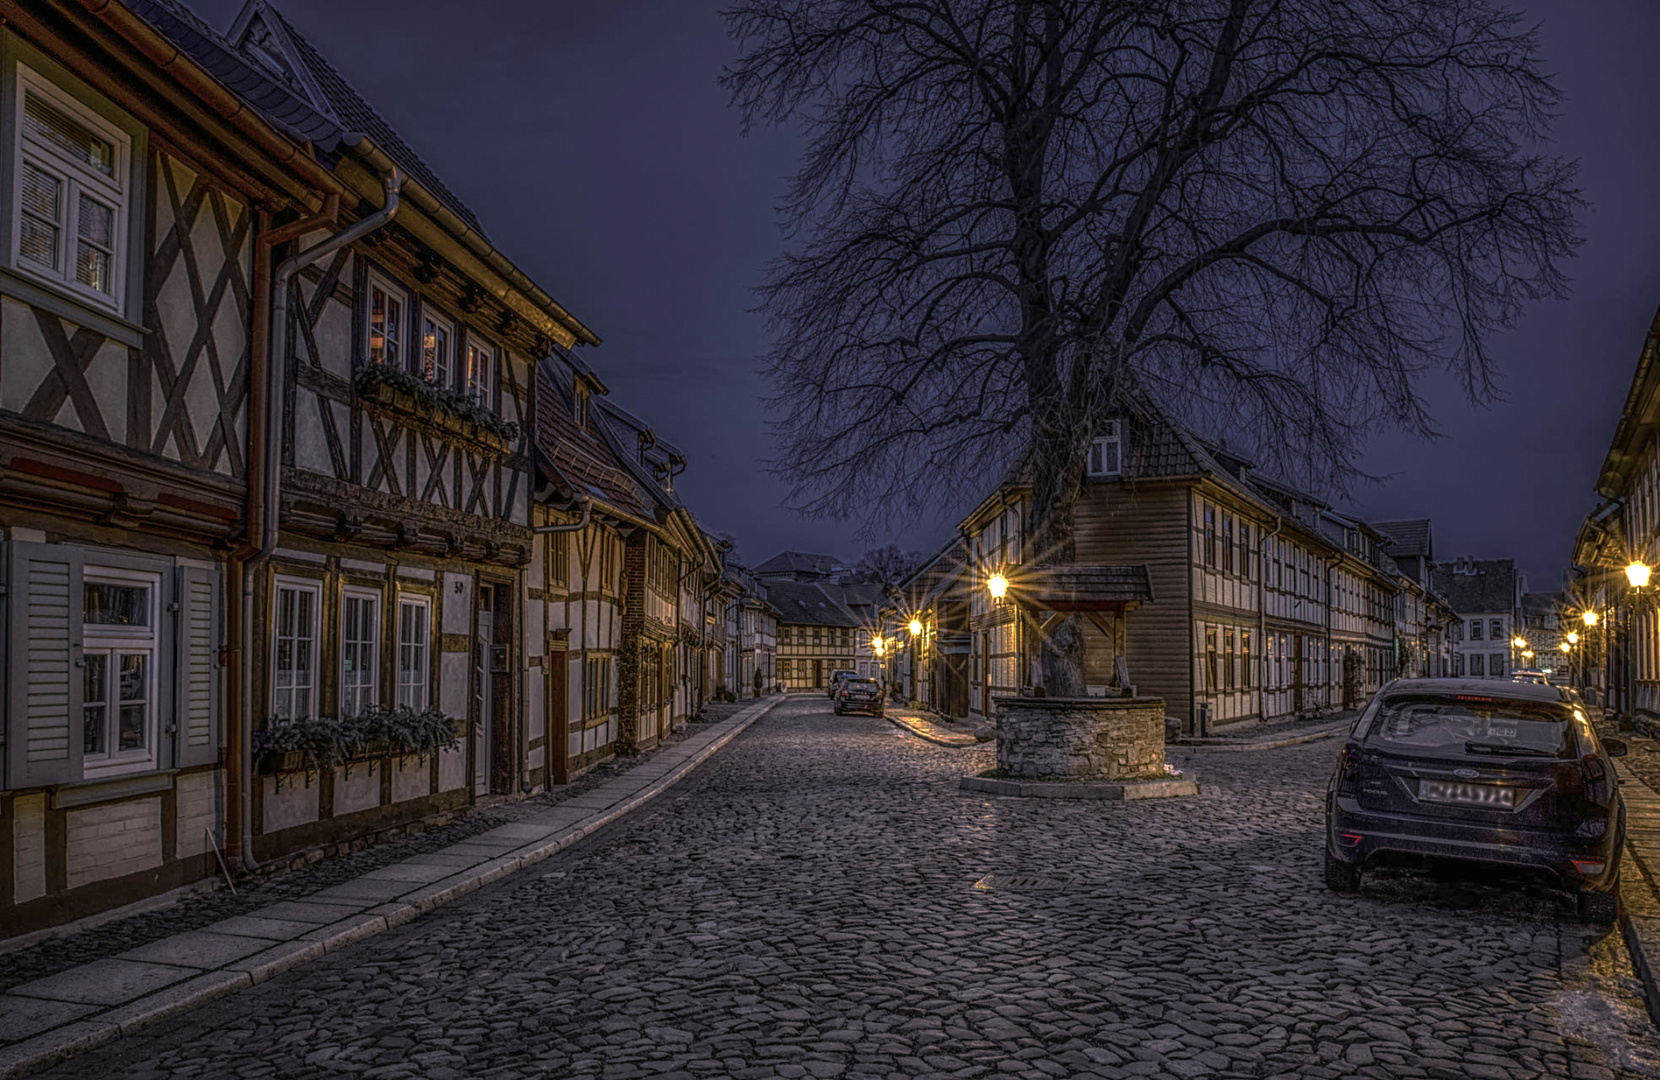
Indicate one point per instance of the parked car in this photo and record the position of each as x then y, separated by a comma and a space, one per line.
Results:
1508, 776
836, 678
859, 694
1529, 677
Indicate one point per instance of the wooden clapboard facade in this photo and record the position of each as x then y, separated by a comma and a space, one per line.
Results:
128, 303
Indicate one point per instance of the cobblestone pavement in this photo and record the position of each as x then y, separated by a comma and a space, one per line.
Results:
803, 906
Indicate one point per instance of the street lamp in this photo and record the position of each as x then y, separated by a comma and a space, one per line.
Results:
998, 584
1590, 617
1573, 639
1564, 646
1519, 641
915, 628
1637, 574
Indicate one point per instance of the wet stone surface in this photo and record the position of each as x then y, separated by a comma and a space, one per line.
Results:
803, 906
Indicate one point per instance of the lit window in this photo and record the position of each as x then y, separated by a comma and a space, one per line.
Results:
294, 650
72, 196
481, 373
386, 313
413, 619
436, 336
118, 672
359, 659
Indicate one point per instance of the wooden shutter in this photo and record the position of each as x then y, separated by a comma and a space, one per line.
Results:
44, 743
196, 705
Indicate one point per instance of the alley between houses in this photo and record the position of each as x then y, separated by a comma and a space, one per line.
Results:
805, 905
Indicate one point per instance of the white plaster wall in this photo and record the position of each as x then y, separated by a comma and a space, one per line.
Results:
111, 841
359, 791
452, 684
452, 768
411, 778
458, 604
295, 804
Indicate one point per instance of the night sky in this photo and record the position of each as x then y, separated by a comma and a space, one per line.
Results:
591, 140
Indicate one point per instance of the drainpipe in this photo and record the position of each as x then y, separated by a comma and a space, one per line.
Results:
578, 525
1262, 618
275, 371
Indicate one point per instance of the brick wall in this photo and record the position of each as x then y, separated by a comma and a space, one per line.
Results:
112, 841
198, 811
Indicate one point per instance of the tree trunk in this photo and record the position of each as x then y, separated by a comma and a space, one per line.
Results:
1059, 444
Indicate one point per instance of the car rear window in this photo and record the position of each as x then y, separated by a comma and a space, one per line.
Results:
1469, 724
860, 682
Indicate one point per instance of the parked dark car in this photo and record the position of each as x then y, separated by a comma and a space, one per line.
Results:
1506, 776
858, 694
836, 678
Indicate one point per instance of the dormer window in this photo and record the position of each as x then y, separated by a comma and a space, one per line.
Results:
1106, 457
579, 404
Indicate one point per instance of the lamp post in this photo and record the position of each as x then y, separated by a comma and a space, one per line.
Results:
1636, 575
1518, 647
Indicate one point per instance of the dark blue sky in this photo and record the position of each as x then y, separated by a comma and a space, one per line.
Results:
592, 141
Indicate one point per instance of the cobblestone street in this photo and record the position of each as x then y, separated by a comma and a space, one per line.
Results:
803, 906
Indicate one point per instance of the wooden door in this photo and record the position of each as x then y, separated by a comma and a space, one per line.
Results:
556, 745
483, 703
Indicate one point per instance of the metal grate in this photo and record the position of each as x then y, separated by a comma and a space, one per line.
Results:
1020, 883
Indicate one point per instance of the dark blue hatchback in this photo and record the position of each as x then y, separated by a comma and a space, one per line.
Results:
1503, 775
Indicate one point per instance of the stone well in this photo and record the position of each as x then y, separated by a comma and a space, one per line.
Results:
1095, 738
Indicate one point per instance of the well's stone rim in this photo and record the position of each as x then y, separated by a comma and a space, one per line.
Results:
1076, 702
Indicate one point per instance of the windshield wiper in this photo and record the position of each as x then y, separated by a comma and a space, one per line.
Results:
1504, 748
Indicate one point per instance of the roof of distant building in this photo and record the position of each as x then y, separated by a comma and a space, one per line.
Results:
1407, 539
810, 603
801, 562
1544, 603
1477, 586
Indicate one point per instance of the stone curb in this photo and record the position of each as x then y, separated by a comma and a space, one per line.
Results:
1642, 941
1125, 792
928, 736
1266, 744
51, 1047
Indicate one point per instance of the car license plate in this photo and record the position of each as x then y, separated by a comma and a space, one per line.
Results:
1452, 791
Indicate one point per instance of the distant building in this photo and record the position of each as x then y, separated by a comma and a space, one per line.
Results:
1486, 595
1545, 630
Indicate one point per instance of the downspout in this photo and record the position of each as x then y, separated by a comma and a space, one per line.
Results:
271, 491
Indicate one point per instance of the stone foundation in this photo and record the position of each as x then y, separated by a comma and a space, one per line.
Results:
1071, 738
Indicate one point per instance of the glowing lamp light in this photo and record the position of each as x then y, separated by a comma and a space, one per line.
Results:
877, 643
915, 628
1564, 646
1519, 641
1637, 574
1528, 653
1573, 638
998, 584
1590, 618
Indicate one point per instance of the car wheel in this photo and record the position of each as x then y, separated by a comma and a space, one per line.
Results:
1598, 907
1341, 876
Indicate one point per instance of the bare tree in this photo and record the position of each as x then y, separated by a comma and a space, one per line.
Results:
1274, 216
888, 565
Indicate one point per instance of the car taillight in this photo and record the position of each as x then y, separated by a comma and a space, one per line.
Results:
1348, 783
1597, 786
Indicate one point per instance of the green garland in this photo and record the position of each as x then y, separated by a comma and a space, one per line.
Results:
327, 743
434, 398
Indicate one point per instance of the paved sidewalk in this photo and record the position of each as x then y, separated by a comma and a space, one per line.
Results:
925, 727
1276, 736
51, 1018
1639, 896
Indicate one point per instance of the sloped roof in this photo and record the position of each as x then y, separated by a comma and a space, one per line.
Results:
801, 562
1407, 539
582, 457
1544, 603
809, 603
1489, 588
1083, 586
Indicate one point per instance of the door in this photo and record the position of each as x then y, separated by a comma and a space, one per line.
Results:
483, 701
558, 739
1299, 675
818, 674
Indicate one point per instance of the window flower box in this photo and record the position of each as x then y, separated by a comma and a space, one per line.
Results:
440, 410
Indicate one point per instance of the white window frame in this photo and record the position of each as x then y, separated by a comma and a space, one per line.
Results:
481, 391
364, 691
315, 589
1106, 452
400, 339
115, 642
409, 691
76, 179
431, 319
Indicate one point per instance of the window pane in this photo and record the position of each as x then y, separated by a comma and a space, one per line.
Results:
96, 222
66, 135
134, 700
42, 193
132, 727
95, 698
116, 605
92, 259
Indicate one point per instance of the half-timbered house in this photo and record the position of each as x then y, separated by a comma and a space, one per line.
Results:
140, 202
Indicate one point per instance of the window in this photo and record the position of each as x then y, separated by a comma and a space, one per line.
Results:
72, 193
118, 674
559, 558
359, 636
294, 649
481, 373
386, 314
1106, 456
436, 346
1475, 629
1227, 660
1210, 535
414, 619
1227, 543
1495, 630
1478, 664
579, 404
1210, 658
1245, 677
596, 687
1496, 665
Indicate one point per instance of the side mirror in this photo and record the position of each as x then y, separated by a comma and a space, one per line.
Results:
1615, 747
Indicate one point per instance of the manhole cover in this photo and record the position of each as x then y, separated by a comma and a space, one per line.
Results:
1020, 883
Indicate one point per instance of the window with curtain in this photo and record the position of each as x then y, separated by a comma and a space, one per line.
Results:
414, 620
294, 649
359, 654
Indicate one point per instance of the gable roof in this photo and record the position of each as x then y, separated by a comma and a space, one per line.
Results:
1488, 588
801, 562
1407, 539
809, 603
580, 456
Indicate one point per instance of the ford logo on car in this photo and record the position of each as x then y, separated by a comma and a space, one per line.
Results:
1466, 773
